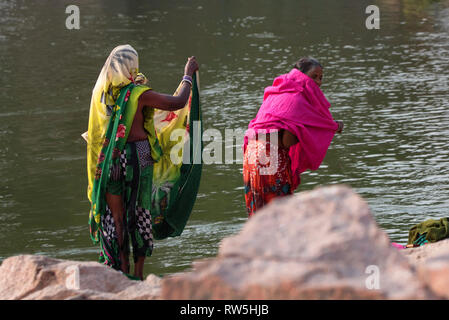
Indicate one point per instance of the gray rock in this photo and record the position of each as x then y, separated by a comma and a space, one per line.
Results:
420, 255
322, 244
40, 277
432, 263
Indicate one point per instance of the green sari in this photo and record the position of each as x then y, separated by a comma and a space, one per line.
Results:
165, 192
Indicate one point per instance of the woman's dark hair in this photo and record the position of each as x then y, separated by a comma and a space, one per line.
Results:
306, 63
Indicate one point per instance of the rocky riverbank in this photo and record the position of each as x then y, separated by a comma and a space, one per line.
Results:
320, 244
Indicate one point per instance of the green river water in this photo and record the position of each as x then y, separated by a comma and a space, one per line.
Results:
389, 86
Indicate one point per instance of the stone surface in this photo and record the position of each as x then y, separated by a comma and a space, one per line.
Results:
432, 263
321, 244
421, 254
40, 277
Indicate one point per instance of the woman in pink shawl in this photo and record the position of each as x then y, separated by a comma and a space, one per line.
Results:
290, 134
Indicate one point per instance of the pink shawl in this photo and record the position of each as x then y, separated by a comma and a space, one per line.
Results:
295, 103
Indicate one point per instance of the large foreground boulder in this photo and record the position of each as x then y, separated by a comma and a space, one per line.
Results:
321, 244
40, 277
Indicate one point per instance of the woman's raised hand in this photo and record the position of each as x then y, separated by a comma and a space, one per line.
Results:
191, 66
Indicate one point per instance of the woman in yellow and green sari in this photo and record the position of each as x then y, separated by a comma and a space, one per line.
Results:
136, 191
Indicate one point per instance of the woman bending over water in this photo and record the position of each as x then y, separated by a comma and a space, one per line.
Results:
290, 134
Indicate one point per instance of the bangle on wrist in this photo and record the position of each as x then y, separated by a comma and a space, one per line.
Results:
188, 81
187, 77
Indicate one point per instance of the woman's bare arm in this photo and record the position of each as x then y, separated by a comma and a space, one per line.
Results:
168, 102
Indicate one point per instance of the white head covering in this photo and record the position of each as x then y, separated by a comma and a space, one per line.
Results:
120, 69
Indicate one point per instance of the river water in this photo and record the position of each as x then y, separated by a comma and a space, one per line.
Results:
389, 86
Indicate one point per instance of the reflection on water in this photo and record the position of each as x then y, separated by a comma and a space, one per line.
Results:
390, 86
